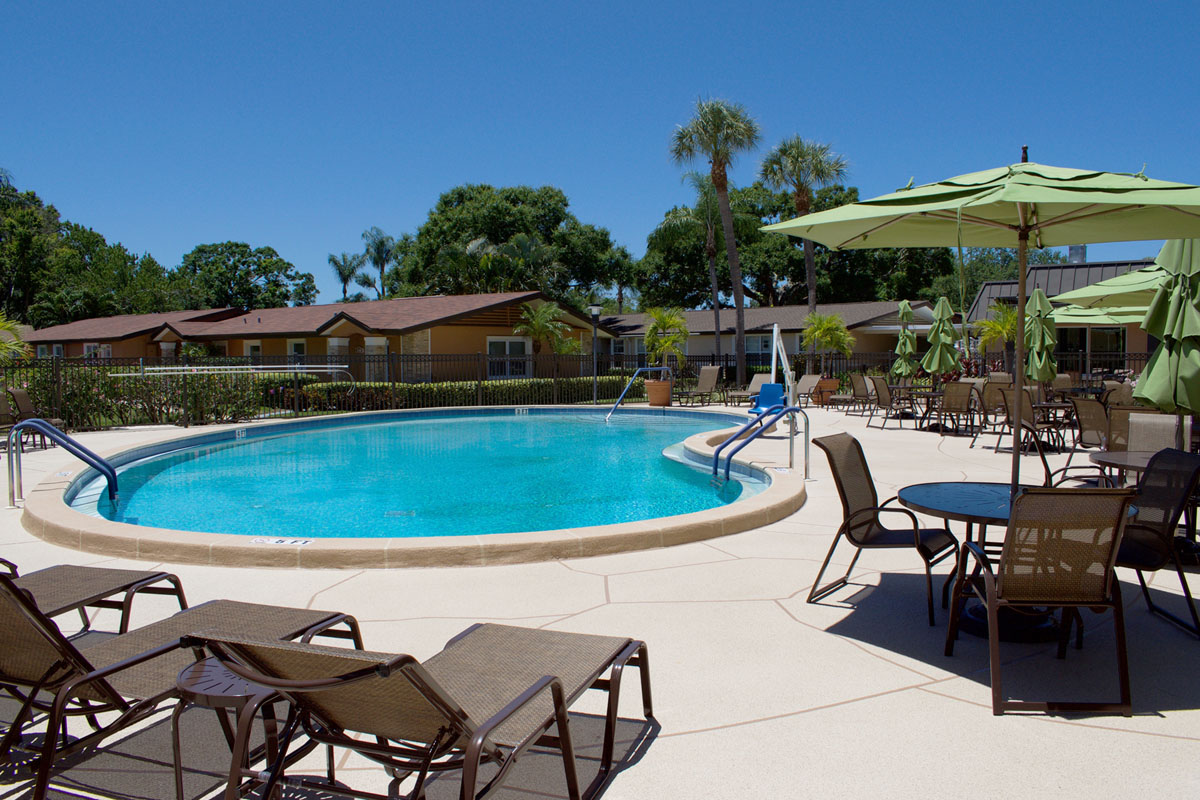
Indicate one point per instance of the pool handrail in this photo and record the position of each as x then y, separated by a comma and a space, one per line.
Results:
16, 491
739, 432
791, 439
632, 378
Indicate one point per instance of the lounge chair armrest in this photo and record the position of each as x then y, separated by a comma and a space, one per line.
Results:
9, 567
68, 689
479, 739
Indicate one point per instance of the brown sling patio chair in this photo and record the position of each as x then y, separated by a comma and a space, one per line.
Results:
130, 674
1091, 423
957, 404
66, 587
706, 387
1150, 541
861, 523
805, 386
1118, 425
860, 395
892, 405
1051, 431
491, 693
756, 382
1058, 552
26, 409
992, 413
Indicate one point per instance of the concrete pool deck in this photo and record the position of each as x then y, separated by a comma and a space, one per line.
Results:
758, 693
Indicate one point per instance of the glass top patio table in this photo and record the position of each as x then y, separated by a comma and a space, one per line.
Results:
974, 503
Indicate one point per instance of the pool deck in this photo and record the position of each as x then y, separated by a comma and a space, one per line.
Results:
758, 693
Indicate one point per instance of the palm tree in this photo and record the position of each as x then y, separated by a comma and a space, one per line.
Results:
999, 326
801, 166
827, 332
718, 132
379, 252
542, 323
12, 346
346, 266
666, 334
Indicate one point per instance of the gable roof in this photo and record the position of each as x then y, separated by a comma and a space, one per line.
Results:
108, 329
760, 319
1052, 279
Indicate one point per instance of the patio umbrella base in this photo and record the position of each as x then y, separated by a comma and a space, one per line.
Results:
1015, 626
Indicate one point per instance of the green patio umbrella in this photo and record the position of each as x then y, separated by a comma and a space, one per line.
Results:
1011, 206
906, 344
1040, 339
1079, 315
1135, 288
942, 356
1171, 380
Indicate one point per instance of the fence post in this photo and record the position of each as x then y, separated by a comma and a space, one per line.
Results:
554, 380
296, 393
479, 380
57, 372
187, 412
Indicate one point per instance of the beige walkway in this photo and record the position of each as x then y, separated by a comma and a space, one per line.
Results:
760, 694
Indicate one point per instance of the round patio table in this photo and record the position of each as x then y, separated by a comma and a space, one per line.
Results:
1122, 460
979, 504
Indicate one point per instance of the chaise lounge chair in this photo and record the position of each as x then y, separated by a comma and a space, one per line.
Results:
706, 387
494, 691
130, 674
738, 395
66, 587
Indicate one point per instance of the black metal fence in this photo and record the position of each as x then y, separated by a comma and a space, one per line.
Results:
102, 393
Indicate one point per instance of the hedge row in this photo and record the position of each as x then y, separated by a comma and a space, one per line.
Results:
363, 396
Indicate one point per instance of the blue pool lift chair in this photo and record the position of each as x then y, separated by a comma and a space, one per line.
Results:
769, 394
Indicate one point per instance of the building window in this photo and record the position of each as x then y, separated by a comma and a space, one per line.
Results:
338, 346
376, 349
758, 345
91, 350
43, 351
253, 349
618, 347
506, 361
295, 350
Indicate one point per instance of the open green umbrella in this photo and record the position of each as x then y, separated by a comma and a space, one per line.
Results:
942, 355
1171, 380
1079, 315
1040, 339
1011, 206
906, 344
1135, 288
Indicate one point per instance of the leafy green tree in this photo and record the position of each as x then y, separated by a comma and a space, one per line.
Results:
825, 332
718, 132
30, 233
543, 324
666, 334
231, 274
346, 267
380, 249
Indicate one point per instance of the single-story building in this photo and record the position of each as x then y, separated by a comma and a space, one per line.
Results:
1079, 347
875, 326
428, 326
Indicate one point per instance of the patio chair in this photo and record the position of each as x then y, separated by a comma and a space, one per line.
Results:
805, 387
992, 413
860, 395
1060, 387
957, 404
892, 405
1091, 423
861, 524
492, 692
737, 396
26, 410
66, 587
1154, 432
130, 674
1092, 475
825, 391
706, 387
1150, 543
1040, 428
1117, 393
1058, 552
1002, 378
769, 395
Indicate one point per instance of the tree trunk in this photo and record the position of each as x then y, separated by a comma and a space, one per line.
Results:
810, 271
720, 183
710, 248
620, 298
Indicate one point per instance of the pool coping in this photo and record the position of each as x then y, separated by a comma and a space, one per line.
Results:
48, 516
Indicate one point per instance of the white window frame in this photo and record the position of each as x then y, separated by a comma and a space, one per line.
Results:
248, 346
291, 347
507, 370
43, 351
91, 349
376, 370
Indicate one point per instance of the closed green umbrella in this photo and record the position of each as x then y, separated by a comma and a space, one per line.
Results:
942, 355
1171, 380
906, 344
1011, 206
1040, 339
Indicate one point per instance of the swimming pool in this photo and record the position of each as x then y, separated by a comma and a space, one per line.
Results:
423, 475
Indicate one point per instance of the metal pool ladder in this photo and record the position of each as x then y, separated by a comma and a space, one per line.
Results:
636, 372
16, 490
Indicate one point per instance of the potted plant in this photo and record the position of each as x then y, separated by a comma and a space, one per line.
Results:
666, 333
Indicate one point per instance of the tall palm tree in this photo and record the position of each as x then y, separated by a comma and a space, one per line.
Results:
346, 266
666, 335
380, 248
718, 132
827, 332
801, 166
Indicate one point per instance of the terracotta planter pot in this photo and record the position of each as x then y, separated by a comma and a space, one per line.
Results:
658, 393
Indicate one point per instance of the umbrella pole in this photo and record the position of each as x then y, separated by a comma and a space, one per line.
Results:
1019, 369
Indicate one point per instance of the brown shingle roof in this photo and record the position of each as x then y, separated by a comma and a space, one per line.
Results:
107, 329
789, 318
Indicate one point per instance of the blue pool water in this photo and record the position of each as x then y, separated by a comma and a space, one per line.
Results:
423, 477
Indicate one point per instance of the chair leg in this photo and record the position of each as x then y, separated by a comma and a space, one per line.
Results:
1194, 627
929, 592
993, 617
1122, 653
818, 591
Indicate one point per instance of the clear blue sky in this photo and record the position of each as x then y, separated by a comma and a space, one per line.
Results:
298, 125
